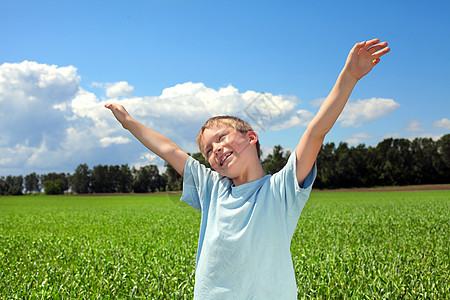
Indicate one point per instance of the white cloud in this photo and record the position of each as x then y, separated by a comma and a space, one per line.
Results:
32, 99
393, 135
423, 135
181, 110
266, 150
116, 140
121, 88
97, 84
414, 126
358, 138
396, 135
362, 111
87, 105
443, 123
28, 82
60, 106
147, 159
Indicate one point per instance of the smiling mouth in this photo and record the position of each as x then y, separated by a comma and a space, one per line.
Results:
224, 157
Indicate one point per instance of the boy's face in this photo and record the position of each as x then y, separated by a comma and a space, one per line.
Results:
227, 150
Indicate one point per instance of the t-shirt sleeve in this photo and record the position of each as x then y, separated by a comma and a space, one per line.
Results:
197, 181
290, 192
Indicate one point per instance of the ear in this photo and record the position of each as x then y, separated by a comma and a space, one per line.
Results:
253, 137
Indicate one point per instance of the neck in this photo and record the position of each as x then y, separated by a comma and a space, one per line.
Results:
251, 175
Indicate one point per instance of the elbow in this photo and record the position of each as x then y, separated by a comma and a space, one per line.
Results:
173, 150
317, 132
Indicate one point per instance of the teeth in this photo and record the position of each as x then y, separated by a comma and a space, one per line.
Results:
224, 158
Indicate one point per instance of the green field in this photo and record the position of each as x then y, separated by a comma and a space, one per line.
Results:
377, 245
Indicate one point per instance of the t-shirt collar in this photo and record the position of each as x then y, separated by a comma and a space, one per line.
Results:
237, 191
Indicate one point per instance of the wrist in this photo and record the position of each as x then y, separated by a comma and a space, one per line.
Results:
348, 78
127, 122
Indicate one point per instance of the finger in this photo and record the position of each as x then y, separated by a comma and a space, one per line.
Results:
377, 47
358, 47
382, 52
376, 61
371, 43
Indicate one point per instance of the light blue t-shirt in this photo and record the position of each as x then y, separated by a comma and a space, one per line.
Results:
246, 231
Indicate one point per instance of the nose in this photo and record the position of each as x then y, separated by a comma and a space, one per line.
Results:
217, 148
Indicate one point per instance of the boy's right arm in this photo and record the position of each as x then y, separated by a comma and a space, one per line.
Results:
155, 142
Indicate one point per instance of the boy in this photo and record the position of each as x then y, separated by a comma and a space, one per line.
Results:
248, 218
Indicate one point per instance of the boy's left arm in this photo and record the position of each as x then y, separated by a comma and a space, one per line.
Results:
360, 61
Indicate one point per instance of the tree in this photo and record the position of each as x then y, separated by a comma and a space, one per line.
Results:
395, 161
443, 163
32, 183
55, 187
325, 170
371, 161
53, 176
14, 184
147, 179
4, 187
201, 159
425, 155
174, 182
276, 161
125, 179
82, 179
101, 182
114, 176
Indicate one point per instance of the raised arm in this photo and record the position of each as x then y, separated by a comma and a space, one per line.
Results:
360, 61
155, 142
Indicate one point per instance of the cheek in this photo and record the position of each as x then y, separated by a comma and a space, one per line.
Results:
212, 162
231, 140
238, 144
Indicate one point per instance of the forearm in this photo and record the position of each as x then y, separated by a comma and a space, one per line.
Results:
333, 105
158, 144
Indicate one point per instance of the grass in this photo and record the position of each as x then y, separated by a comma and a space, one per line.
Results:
97, 247
378, 245
384, 245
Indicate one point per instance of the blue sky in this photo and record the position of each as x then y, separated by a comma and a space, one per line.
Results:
173, 64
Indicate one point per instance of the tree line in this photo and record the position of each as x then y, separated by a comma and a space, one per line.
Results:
391, 162
99, 179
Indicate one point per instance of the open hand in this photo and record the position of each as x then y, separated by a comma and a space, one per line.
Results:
119, 112
364, 56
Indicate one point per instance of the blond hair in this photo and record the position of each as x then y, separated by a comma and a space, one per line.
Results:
236, 123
